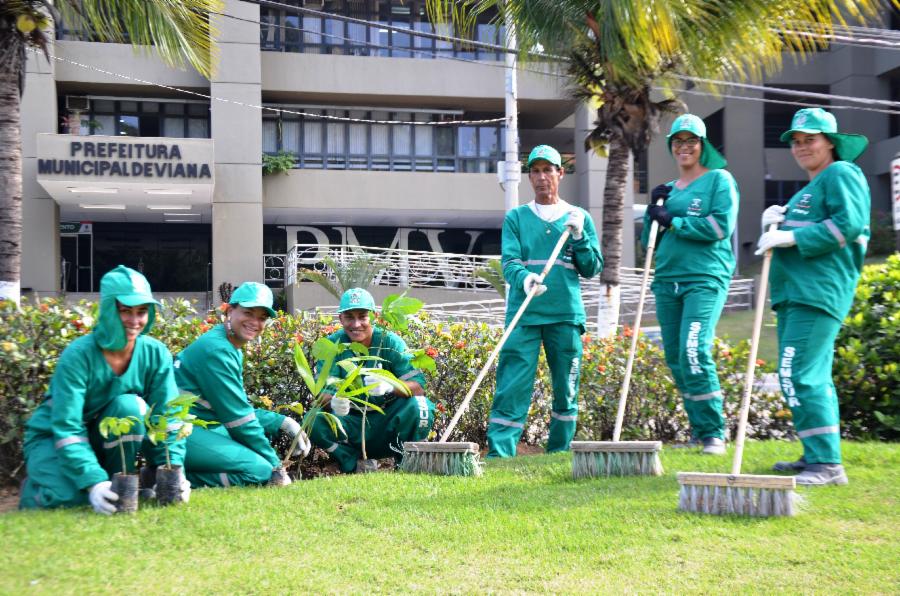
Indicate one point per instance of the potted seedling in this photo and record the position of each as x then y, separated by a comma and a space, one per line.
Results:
123, 484
168, 477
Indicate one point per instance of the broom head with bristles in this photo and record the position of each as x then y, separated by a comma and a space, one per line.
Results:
737, 494
616, 458
445, 459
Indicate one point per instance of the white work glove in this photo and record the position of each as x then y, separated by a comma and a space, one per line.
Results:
292, 427
575, 223
773, 215
340, 406
102, 498
383, 387
776, 239
531, 280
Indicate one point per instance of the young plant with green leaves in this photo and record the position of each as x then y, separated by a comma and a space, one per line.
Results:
118, 427
178, 410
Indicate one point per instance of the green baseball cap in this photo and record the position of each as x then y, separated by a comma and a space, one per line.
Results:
709, 156
816, 120
251, 294
546, 153
125, 286
356, 299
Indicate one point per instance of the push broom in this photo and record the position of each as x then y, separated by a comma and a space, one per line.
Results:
622, 458
461, 458
736, 493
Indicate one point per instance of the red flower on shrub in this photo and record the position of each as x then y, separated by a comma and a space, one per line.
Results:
431, 352
212, 320
627, 331
760, 362
78, 324
440, 407
299, 338
459, 345
44, 308
223, 307
601, 368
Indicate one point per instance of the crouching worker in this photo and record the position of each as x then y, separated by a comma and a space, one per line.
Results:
113, 371
404, 419
236, 451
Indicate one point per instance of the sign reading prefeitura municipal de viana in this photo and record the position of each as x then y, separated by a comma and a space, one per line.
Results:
140, 160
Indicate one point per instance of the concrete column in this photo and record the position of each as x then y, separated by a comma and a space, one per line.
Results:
237, 219
591, 177
40, 213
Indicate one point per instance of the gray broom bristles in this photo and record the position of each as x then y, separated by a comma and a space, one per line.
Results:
591, 459
446, 459
745, 494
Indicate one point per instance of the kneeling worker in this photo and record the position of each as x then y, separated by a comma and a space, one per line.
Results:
404, 419
236, 451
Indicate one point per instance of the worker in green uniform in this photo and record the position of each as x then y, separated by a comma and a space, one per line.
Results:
236, 451
554, 318
694, 264
817, 258
115, 370
405, 418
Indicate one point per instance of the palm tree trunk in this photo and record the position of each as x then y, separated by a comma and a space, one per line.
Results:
611, 229
10, 183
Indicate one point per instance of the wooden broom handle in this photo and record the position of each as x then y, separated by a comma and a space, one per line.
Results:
626, 382
509, 329
751, 363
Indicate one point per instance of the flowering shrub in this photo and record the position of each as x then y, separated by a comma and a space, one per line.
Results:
31, 341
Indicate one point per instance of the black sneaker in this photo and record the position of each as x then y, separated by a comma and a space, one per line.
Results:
790, 466
713, 446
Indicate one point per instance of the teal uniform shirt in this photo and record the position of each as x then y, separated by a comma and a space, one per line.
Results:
83, 385
387, 345
527, 243
213, 369
830, 220
697, 246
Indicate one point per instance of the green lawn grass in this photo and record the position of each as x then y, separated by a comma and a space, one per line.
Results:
738, 325
525, 526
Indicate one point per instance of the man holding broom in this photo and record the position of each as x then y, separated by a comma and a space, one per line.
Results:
554, 318
405, 418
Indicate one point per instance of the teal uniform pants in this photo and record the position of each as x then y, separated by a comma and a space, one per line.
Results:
47, 486
515, 386
404, 419
213, 458
806, 350
688, 313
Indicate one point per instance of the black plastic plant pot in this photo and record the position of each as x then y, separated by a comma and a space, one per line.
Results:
126, 486
279, 477
168, 485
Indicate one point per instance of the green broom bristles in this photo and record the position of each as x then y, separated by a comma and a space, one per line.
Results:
445, 459
591, 459
743, 494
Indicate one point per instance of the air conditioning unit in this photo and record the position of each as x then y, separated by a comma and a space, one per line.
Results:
76, 102
314, 4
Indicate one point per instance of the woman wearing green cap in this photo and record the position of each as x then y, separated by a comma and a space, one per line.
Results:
236, 451
694, 264
116, 370
818, 253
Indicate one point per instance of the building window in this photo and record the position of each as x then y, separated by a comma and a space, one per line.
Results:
341, 145
777, 116
143, 118
287, 31
779, 192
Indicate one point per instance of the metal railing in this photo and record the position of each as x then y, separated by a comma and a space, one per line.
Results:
273, 269
421, 269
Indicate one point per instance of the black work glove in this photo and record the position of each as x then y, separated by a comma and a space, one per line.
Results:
660, 214
660, 192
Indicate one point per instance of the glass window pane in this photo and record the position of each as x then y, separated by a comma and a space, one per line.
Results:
312, 26
174, 108
103, 105
173, 127
424, 135
312, 137
128, 106
268, 31
359, 134
290, 33
269, 135
149, 107
128, 126
425, 43
444, 136
334, 35
290, 136
380, 134
106, 125
468, 146
487, 141
335, 132
198, 109
357, 34
198, 128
